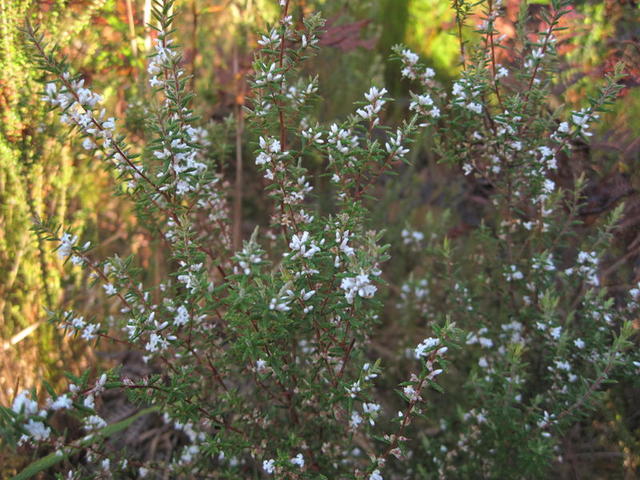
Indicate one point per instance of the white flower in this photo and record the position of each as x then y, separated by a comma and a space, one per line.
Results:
268, 75
354, 389
261, 365
358, 285
423, 104
501, 73
156, 343
78, 323
99, 386
269, 466
549, 186
356, 420
22, 401
61, 402
89, 332
394, 145
409, 57
374, 94
109, 124
563, 365
307, 295
66, 244
89, 402
343, 240
458, 91
581, 120
372, 410
298, 243
109, 289
409, 61
514, 274
88, 144
375, 475
579, 343
94, 422
280, 305
76, 260
537, 53
37, 430
426, 345
411, 393
271, 40
271, 148
298, 460
428, 73
369, 375
474, 107
182, 316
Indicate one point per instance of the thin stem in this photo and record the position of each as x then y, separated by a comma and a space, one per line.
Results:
238, 191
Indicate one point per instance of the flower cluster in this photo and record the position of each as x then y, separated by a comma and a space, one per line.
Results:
371, 111
360, 285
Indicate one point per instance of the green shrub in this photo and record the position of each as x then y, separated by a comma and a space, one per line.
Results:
266, 357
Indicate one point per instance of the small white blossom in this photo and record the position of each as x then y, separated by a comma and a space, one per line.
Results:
411, 393
37, 430
354, 389
502, 73
425, 346
372, 410
359, 285
62, 402
375, 475
298, 460
261, 365
394, 145
555, 332
182, 316
513, 274
474, 107
355, 421
269, 466
67, 242
94, 422
23, 404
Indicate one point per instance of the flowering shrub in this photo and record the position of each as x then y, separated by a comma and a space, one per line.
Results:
263, 356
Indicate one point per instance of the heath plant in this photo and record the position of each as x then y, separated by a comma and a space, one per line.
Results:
264, 356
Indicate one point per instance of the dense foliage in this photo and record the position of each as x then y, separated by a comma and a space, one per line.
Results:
263, 351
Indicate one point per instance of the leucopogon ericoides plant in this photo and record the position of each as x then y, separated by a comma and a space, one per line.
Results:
263, 355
